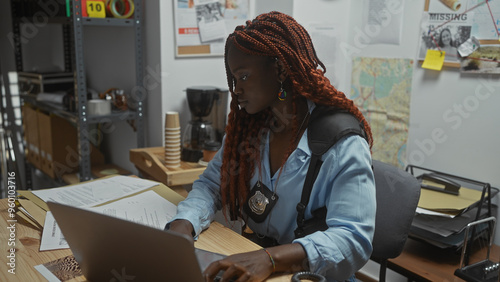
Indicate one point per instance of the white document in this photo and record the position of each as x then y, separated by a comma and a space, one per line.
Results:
186, 32
46, 273
326, 38
52, 238
383, 21
210, 31
429, 212
147, 208
435, 24
95, 192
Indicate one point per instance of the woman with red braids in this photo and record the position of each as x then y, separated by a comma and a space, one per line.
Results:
276, 81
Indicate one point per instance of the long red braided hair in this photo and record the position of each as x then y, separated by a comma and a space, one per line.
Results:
275, 35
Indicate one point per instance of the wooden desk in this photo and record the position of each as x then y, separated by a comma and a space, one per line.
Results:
217, 238
423, 262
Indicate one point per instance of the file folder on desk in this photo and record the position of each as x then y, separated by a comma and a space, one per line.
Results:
446, 230
449, 203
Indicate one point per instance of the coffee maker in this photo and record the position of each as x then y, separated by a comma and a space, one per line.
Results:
208, 106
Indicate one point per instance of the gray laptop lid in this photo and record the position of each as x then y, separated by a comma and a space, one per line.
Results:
112, 249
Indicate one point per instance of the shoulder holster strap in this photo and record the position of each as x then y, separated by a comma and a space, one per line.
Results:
327, 126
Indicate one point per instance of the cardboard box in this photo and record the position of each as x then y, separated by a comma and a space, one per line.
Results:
46, 143
30, 123
34, 83
59, 146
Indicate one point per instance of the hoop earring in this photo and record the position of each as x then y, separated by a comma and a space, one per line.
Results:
282, 93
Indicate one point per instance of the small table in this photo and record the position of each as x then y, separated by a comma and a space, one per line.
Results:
424, 262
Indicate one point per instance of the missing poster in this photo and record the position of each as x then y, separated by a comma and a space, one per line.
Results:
437, 33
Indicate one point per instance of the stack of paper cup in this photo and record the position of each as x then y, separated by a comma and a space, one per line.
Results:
172, 140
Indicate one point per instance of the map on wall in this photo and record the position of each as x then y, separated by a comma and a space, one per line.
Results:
381, 88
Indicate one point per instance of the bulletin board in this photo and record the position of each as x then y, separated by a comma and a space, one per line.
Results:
201, 26
447, 24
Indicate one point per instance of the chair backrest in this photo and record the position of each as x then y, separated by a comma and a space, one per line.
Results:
397, 193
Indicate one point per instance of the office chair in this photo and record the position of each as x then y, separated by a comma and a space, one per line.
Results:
397, 193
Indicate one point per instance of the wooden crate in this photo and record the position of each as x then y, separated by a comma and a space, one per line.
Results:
151, 163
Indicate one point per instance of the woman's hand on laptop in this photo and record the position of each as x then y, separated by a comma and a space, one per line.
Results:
251, 266
182, 226
258, 265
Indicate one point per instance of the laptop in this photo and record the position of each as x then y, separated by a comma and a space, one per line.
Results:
113, 249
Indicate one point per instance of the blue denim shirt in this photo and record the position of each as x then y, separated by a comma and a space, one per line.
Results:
345, 185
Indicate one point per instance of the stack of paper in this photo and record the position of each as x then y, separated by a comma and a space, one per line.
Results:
129, 198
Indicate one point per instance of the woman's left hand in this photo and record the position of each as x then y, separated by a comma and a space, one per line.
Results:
252, 266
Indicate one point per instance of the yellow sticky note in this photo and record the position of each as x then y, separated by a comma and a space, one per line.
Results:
95, 9
434, 60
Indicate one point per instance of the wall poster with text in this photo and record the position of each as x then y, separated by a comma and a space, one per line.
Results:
201, 26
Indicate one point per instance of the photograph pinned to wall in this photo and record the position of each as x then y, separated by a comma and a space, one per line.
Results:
486, 59
446, 38
201, 26
210, 20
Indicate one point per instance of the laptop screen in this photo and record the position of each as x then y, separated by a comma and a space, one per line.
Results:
111, 248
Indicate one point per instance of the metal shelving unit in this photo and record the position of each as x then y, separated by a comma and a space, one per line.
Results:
72, 28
